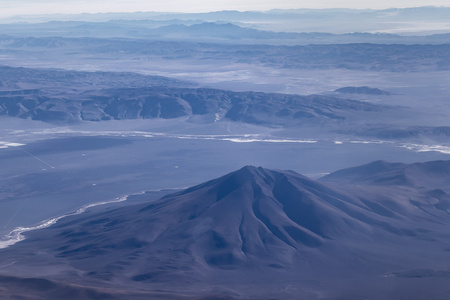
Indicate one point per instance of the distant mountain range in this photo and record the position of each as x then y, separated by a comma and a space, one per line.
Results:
208, 32
418, 20
63, 97
257, 232
68, 96
14, 80
351, 56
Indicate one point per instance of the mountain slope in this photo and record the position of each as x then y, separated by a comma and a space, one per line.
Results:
435, 174
254, 227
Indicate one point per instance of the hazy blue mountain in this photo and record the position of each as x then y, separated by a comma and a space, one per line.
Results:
157, 102
365, 90
13, 79
418, 20
431, 175
257, 231
146, 103
92, 97
221, 31
217, 30
355, 56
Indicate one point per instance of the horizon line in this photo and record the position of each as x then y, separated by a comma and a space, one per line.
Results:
219, 11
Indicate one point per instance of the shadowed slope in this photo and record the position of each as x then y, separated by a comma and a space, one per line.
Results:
253, 227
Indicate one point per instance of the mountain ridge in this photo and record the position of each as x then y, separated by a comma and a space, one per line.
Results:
431, 174
101, 96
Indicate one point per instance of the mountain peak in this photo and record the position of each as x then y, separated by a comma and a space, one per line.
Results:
251, 172
250, 168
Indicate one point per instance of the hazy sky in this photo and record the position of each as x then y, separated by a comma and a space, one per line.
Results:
21, 7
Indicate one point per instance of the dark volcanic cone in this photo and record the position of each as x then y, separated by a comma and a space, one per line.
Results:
251, 227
